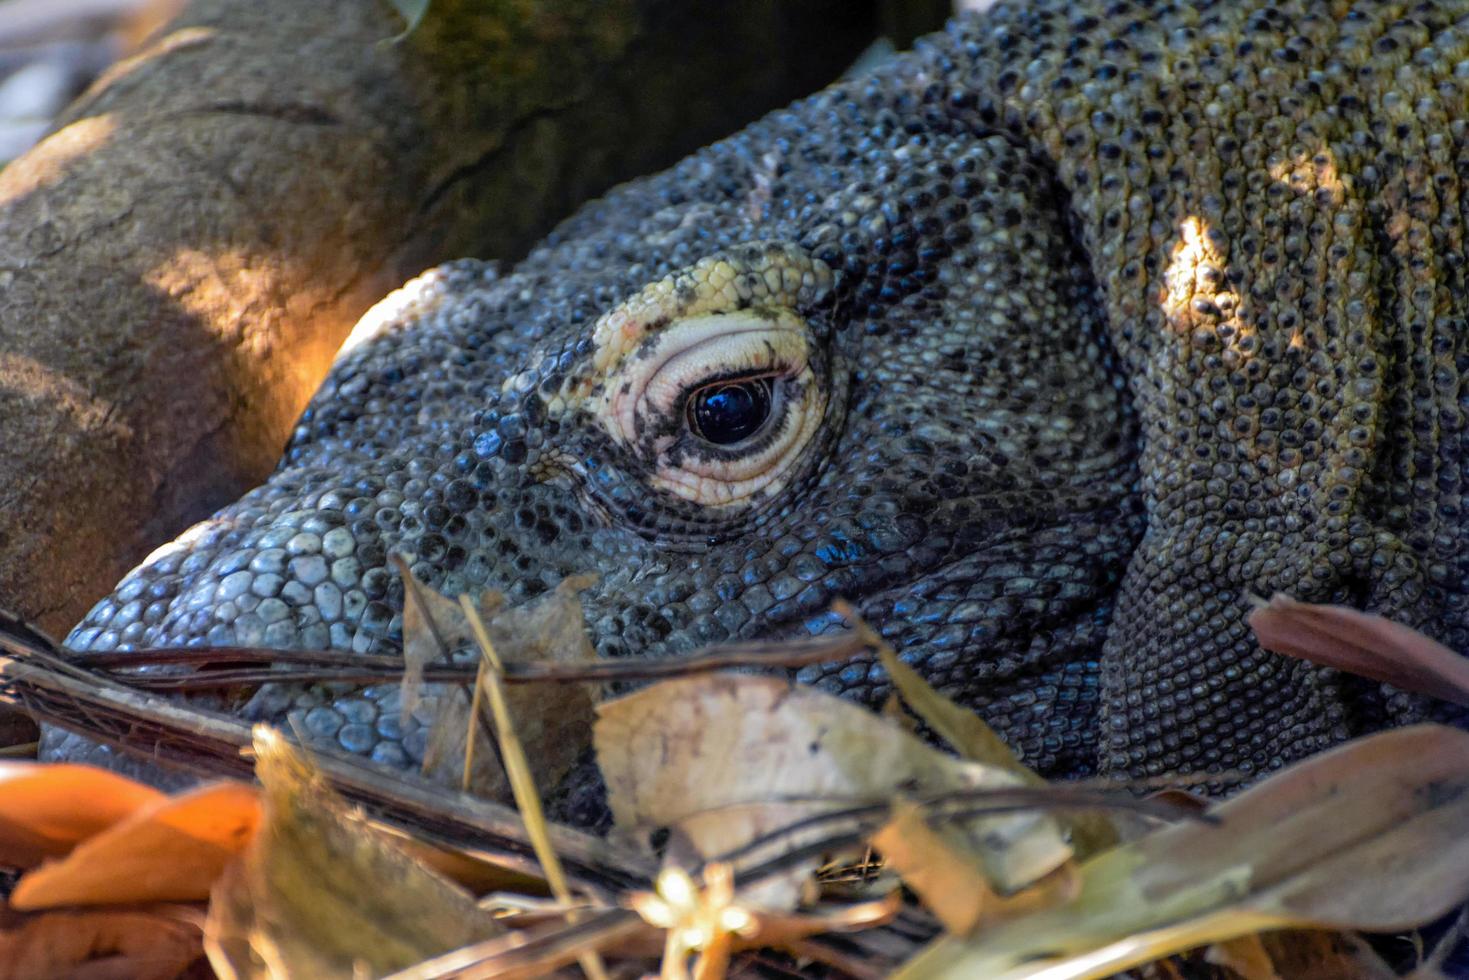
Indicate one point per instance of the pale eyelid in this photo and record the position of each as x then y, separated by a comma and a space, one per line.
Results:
645, 403
700, 347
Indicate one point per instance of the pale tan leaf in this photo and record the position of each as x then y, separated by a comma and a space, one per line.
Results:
98, 945
1367, 836
171, 851
322, 894
1362, 643
46, 809
728, 758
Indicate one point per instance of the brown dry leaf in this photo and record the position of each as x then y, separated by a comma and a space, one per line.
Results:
98, 945
489, 687
445, 757
171, 851
433, 627
47, 809
973, 738
553, 721
1367, 836
727, 758
320, 893
1362, 643
942, 867
480, 873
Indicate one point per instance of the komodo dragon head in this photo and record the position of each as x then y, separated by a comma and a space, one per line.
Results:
993, 343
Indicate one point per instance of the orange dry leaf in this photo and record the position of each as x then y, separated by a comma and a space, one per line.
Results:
98, 945
949, 877
46, 810
172, 851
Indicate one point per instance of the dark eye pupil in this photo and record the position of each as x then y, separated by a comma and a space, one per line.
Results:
726, 413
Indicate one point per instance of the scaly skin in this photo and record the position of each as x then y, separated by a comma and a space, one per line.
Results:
1085, 321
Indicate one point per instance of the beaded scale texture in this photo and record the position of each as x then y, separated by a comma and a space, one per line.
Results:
1075, 328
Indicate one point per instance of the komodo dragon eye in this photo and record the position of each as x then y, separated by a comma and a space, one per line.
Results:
723, 403
728, 412
715, 377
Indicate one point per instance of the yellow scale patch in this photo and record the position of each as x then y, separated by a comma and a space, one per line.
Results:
766, 275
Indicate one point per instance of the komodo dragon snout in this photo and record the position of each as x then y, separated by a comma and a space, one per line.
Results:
1032, 344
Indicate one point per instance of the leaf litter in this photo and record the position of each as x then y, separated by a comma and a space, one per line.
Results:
742, 786
320, 893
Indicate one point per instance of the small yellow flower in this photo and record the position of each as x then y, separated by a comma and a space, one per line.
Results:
695, 919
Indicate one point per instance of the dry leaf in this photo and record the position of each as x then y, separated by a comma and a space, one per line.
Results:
1362, 643
433, 628
968, 733
98, 945
942, 867
47, 809
728, 758
553, 721
445, 756
783, 929
1245, 956
320, 893
229, 930
1315, 955
489, 687
973, 738
1367, 836
171, 851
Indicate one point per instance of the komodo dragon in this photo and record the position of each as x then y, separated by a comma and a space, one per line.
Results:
1047, 345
